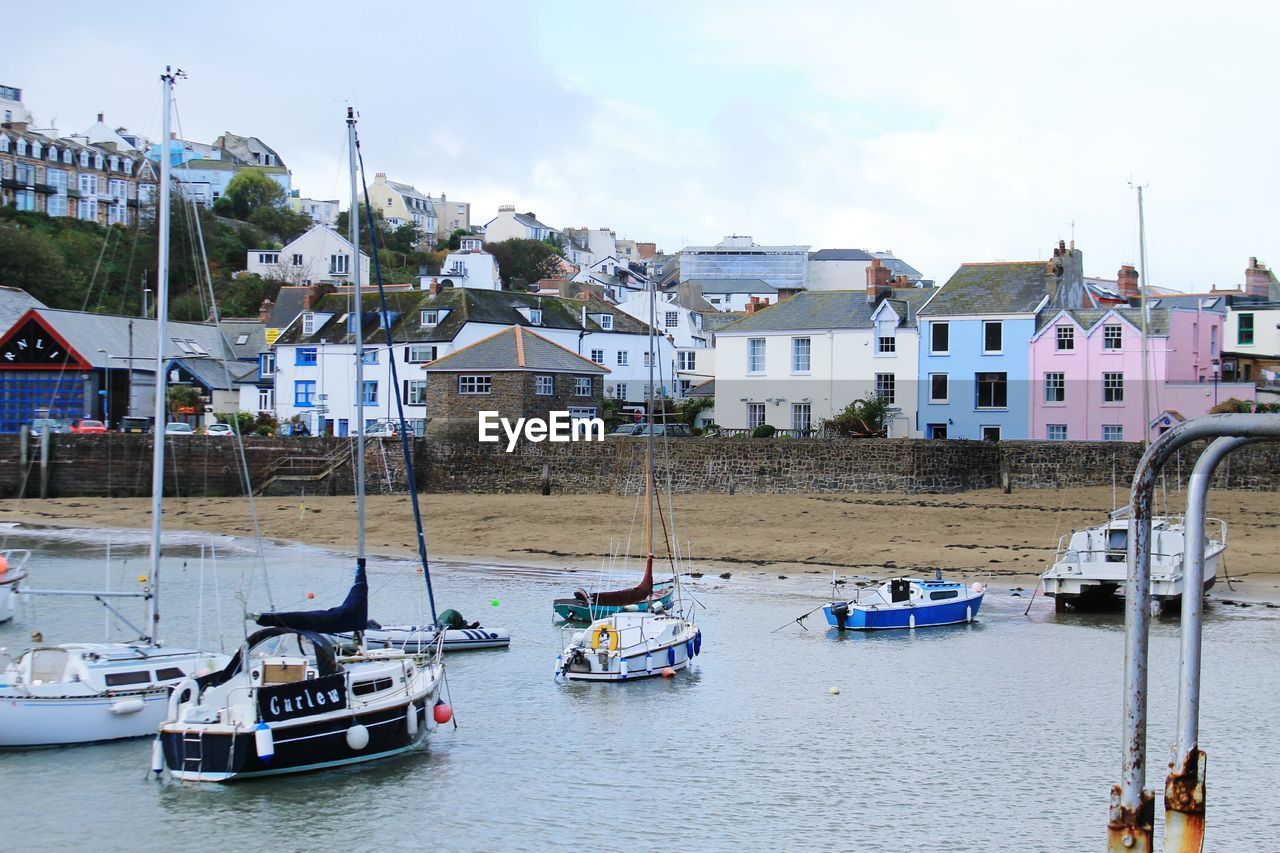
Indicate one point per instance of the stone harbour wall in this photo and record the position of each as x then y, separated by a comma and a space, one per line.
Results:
120, 466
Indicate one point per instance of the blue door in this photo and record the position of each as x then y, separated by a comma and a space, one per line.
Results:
342, 427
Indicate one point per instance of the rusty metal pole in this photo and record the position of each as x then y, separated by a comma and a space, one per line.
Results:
1184, 788
1131, 815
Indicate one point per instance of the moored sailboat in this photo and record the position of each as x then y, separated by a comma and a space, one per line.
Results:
13, 571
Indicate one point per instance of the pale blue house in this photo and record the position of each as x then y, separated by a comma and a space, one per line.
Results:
974, 337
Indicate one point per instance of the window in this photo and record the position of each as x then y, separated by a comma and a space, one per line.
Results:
98, 162
935, 431
686, 361
597, 355
1244, 333
544, 386
339, 264
672, 319
116, 189
429, 317
87, 209
57, 178
992, 336
535, 316
370, 356
801, 418
991, 433
624, 358
1112, 337
370, 394
939, 339
268, 257
755, 355
305, 356
800, 350
1055, 388
25, 174
120, 679
648, 358
415, 392
56, 205
4, 140
1066, 338
267, 364
304, 392
885, 387
24, 199
87, 184
992, 390
266, 399
1112, 432
308, 324
940, 595
1213, 341
475, 384
755, 415
117, 213
53, 153
1113, 387
606, 322
582, 386
22, 148
1057, 432
419, 354
886, 344
297, 260
620, 391
84, 159
66, 156
938, 392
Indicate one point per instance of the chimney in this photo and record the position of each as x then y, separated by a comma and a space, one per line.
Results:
1127, 279
99, 118
315, 293
379, 177
1258, 279
264, 311
434, 287
1064, 277
879, 281
756, 304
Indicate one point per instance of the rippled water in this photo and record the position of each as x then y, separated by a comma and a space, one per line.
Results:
1003, 733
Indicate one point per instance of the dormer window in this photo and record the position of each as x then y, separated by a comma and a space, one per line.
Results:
128, 166
22, 148
430, 317
84, 159
36, 150
470, 244
66, 156
53, 153
115, 163
308, 324
535, 316
4, 143
97, 161
606, 322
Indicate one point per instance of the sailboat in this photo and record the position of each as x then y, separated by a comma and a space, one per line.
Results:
83, 692
291, 700
13, 571
636, 636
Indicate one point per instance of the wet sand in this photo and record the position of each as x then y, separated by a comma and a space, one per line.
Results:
1009, 537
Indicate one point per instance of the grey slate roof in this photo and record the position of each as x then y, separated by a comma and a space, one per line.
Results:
897, 266
706, 389
732, 285
1216, 303
15, 302
840, 255
515, 349
827, 309
1158, 324
990, 288
86, 333
288, 305
714, 321
528, 220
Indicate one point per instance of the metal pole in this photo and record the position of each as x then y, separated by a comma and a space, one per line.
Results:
1142, 297
353, 223
648, 469
1132, 810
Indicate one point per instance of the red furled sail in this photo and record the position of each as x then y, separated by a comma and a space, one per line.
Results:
621, 597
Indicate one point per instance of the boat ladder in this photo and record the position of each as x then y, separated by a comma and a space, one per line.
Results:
193, 753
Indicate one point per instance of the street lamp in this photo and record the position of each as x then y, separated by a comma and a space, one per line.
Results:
1216, 367
106, 393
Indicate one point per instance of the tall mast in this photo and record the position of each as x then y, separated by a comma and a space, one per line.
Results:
162, 338
1142, 301
648, 464
353, 223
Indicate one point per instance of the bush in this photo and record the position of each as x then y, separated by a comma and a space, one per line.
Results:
1235, 405
863, 417
764, 431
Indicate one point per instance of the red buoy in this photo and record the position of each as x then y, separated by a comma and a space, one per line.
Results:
442, 712
311, 595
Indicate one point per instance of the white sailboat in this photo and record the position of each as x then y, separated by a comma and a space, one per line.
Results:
633, 643
291, 700
83, 692
13, 571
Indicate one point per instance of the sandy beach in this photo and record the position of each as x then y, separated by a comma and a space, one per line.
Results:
1011, 537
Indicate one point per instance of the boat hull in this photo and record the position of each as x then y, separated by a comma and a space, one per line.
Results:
224, 755
871, 618
574, 610
639, 666
417, 641
27, 721
9, 591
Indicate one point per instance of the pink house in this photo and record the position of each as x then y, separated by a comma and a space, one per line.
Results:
1086, 371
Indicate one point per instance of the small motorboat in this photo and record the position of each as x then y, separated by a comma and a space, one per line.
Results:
630, 645
459, 636
1092, 565
13, 571
589, 606
907, 603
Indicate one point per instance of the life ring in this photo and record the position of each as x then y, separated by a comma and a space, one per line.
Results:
604, 635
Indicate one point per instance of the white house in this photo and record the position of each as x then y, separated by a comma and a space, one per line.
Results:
678, 316
797, 363
469, 266
845, 269
314, 364
321, 211
401, 204
734, 294
508, 225
321, 254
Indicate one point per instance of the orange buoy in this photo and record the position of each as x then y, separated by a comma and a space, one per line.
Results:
442, 712
311, 595
668, 672
4, 564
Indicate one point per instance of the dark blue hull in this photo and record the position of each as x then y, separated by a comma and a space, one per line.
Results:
861, 617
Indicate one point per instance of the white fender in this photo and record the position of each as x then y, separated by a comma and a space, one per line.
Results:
622, 663
411, 720
968, 613
357, 737
157, 757
911, 618
127, 706
264, 741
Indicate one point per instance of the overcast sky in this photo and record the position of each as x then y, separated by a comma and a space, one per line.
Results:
946, 132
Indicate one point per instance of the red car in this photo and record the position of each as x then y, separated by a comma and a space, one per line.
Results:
84, 425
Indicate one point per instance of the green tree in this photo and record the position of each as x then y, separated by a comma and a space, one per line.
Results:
32, 261
249, 191
527, 260
454, 240
281, 221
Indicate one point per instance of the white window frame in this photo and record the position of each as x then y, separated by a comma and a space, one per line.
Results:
752, 410
308, 324
582, 386
1113, 388
415, 392
946, 381
471, 384
429, 317
935, 325
1112, 333
544, 385
999, 324
535, 316
1065, 338
801, 417
1055, 381
597, 356
1116, 432
340, 264
887, 388
419, 354
801, 355
606, 322
624, 358
886, 344
755, 360
1055, 432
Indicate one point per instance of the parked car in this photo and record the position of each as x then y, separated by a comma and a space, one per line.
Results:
670, 430
176, 428
218, 429
628, 429
382, 429
83, 426
135, 424
52, 424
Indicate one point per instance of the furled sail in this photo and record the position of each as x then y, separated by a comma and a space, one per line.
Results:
621, 597
351, 615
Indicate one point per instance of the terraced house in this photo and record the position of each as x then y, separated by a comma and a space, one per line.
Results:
975, 376
314, 357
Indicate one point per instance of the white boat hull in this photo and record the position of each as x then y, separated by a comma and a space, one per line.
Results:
649, 646
26, 721
419, 641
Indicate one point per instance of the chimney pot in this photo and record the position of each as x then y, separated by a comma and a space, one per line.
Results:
879, 281
264, 311
1127, 282
99, 116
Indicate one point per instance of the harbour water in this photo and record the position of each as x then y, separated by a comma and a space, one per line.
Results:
979, 737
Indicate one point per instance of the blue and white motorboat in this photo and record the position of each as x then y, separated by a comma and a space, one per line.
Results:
907, 603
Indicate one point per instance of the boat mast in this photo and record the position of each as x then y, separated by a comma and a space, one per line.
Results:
648, 462
162, 338
353, 223
1142, 301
